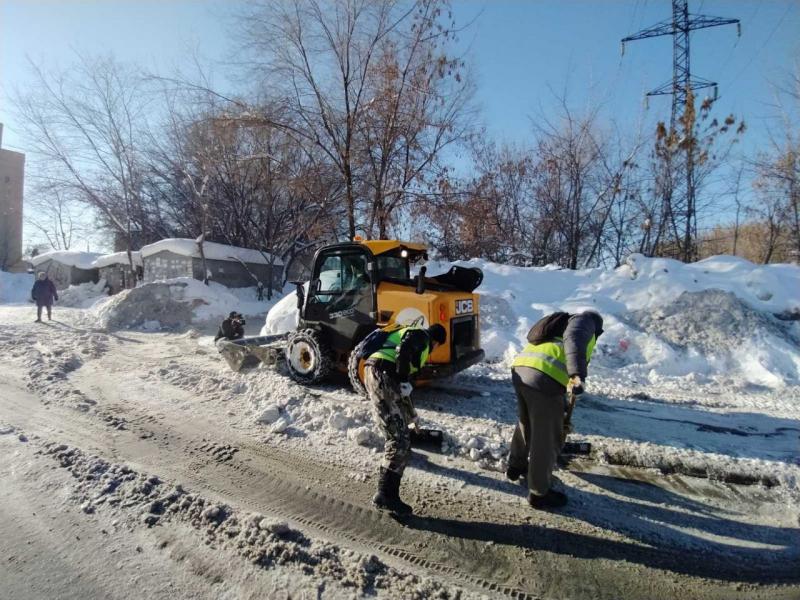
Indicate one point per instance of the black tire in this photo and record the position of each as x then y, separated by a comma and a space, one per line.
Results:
353, 370
308, 358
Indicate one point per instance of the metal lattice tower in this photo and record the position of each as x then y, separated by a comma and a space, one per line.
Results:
679, 27
679, 204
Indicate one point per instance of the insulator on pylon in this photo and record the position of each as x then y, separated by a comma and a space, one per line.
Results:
622, 48
738, 30
716, 93
647, 102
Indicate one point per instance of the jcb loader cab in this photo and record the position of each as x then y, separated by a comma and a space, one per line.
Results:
359, 286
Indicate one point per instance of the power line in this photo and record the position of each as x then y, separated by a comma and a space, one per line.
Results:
750, 19
764, 45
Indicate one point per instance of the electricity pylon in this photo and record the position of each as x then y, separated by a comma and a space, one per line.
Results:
679, 27
682, 88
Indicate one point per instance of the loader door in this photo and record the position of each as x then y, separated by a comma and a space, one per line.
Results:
342, 296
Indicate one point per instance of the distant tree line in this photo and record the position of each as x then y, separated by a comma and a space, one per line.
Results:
349, 124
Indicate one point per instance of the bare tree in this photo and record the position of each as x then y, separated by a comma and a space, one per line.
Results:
367, 84
228, 175
419, 105
778, 167
579, 173
698, 145
56, 219
84, 125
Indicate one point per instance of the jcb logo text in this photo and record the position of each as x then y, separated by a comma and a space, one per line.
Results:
463, 307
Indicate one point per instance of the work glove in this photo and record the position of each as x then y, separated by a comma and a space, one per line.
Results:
406, 389
575, 385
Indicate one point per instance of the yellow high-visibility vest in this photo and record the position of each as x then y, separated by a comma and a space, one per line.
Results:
389, 350
550, 358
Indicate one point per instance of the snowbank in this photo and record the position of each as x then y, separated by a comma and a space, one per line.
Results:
117, 258
284, 316
212, 251
82, 260
175, 303
15, 288
83, 295
663, 318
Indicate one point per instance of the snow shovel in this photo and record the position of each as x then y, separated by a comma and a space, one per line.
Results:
429, 439
583, 448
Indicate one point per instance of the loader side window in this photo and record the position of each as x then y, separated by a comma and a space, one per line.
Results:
393, 267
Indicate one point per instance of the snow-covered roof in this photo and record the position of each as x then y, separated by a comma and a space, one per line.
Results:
81, 260
117, 258
212, 250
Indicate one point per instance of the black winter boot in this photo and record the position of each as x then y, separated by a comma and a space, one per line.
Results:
513, 473
388, 496
552, 499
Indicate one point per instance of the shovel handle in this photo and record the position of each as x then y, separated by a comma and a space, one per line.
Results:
571, 398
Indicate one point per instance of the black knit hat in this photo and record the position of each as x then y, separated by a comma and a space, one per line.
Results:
437, 333
598, 322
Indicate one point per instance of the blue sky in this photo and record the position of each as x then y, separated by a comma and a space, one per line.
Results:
521, 52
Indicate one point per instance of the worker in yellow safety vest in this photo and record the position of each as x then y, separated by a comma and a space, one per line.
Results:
387, 377
553, 362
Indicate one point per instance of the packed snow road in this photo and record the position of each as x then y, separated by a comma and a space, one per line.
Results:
135, 463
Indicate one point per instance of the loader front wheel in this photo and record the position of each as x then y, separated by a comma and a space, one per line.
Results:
308, 358
355, 370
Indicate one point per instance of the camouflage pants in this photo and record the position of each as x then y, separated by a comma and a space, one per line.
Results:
392, 415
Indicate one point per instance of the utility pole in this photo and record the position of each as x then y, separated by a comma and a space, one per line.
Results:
682, 88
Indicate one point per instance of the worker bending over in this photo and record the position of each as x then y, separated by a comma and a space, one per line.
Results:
387, 374
554, 362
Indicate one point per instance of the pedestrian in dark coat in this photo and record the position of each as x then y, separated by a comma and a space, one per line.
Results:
44, 294
542, 373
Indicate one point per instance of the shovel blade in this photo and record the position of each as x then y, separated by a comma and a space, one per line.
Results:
427, 438
577, 448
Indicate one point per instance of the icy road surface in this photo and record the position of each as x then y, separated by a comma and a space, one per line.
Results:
134, 464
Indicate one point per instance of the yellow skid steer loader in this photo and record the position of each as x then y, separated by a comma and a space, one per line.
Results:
357, 287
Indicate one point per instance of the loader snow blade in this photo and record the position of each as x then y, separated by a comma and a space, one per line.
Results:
248, 352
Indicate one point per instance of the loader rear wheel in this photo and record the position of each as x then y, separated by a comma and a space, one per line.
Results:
355, 369
308, 358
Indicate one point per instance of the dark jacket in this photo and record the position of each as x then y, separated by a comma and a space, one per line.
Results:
579, 331
230, 330
44, 292
408, 353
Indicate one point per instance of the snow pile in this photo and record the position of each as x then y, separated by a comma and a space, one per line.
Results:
283, 316
212, 251
716, 332
118, 258
663, 318
15, 288
81, 260
174, 303
83, 295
